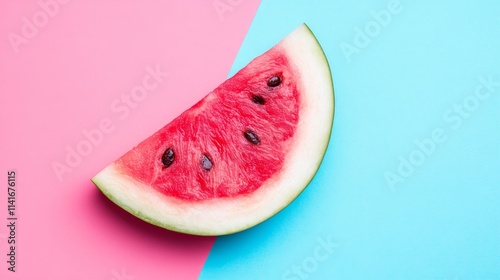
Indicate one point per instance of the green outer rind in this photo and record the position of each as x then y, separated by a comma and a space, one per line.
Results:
327, 142
102, 185
331, 124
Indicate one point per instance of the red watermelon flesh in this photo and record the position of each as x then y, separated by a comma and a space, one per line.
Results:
239, 155
213, 131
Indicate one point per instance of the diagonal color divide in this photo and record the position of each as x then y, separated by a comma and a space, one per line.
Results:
400, 68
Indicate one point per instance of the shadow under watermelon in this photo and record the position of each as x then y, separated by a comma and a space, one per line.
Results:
130, 224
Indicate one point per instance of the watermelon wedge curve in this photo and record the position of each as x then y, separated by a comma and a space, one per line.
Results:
238, 156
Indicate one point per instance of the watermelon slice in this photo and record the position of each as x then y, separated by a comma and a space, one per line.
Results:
239, 155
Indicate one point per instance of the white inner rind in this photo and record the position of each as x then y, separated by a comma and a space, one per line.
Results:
219, 216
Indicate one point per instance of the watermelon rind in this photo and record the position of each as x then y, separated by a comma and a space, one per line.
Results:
226, 215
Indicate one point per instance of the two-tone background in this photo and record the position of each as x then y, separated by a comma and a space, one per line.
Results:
409, 188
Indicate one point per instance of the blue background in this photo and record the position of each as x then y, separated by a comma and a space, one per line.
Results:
442, 220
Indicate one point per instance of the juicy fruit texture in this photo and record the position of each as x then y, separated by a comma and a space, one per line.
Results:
228, 143
239, 155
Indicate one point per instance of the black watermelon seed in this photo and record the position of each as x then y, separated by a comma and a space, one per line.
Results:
206, 163
251, 137
168, 157
274, 81
258, 99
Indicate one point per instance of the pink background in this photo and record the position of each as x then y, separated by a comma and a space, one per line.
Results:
64, 80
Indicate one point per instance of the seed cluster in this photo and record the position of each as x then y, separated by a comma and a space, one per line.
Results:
168, 156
